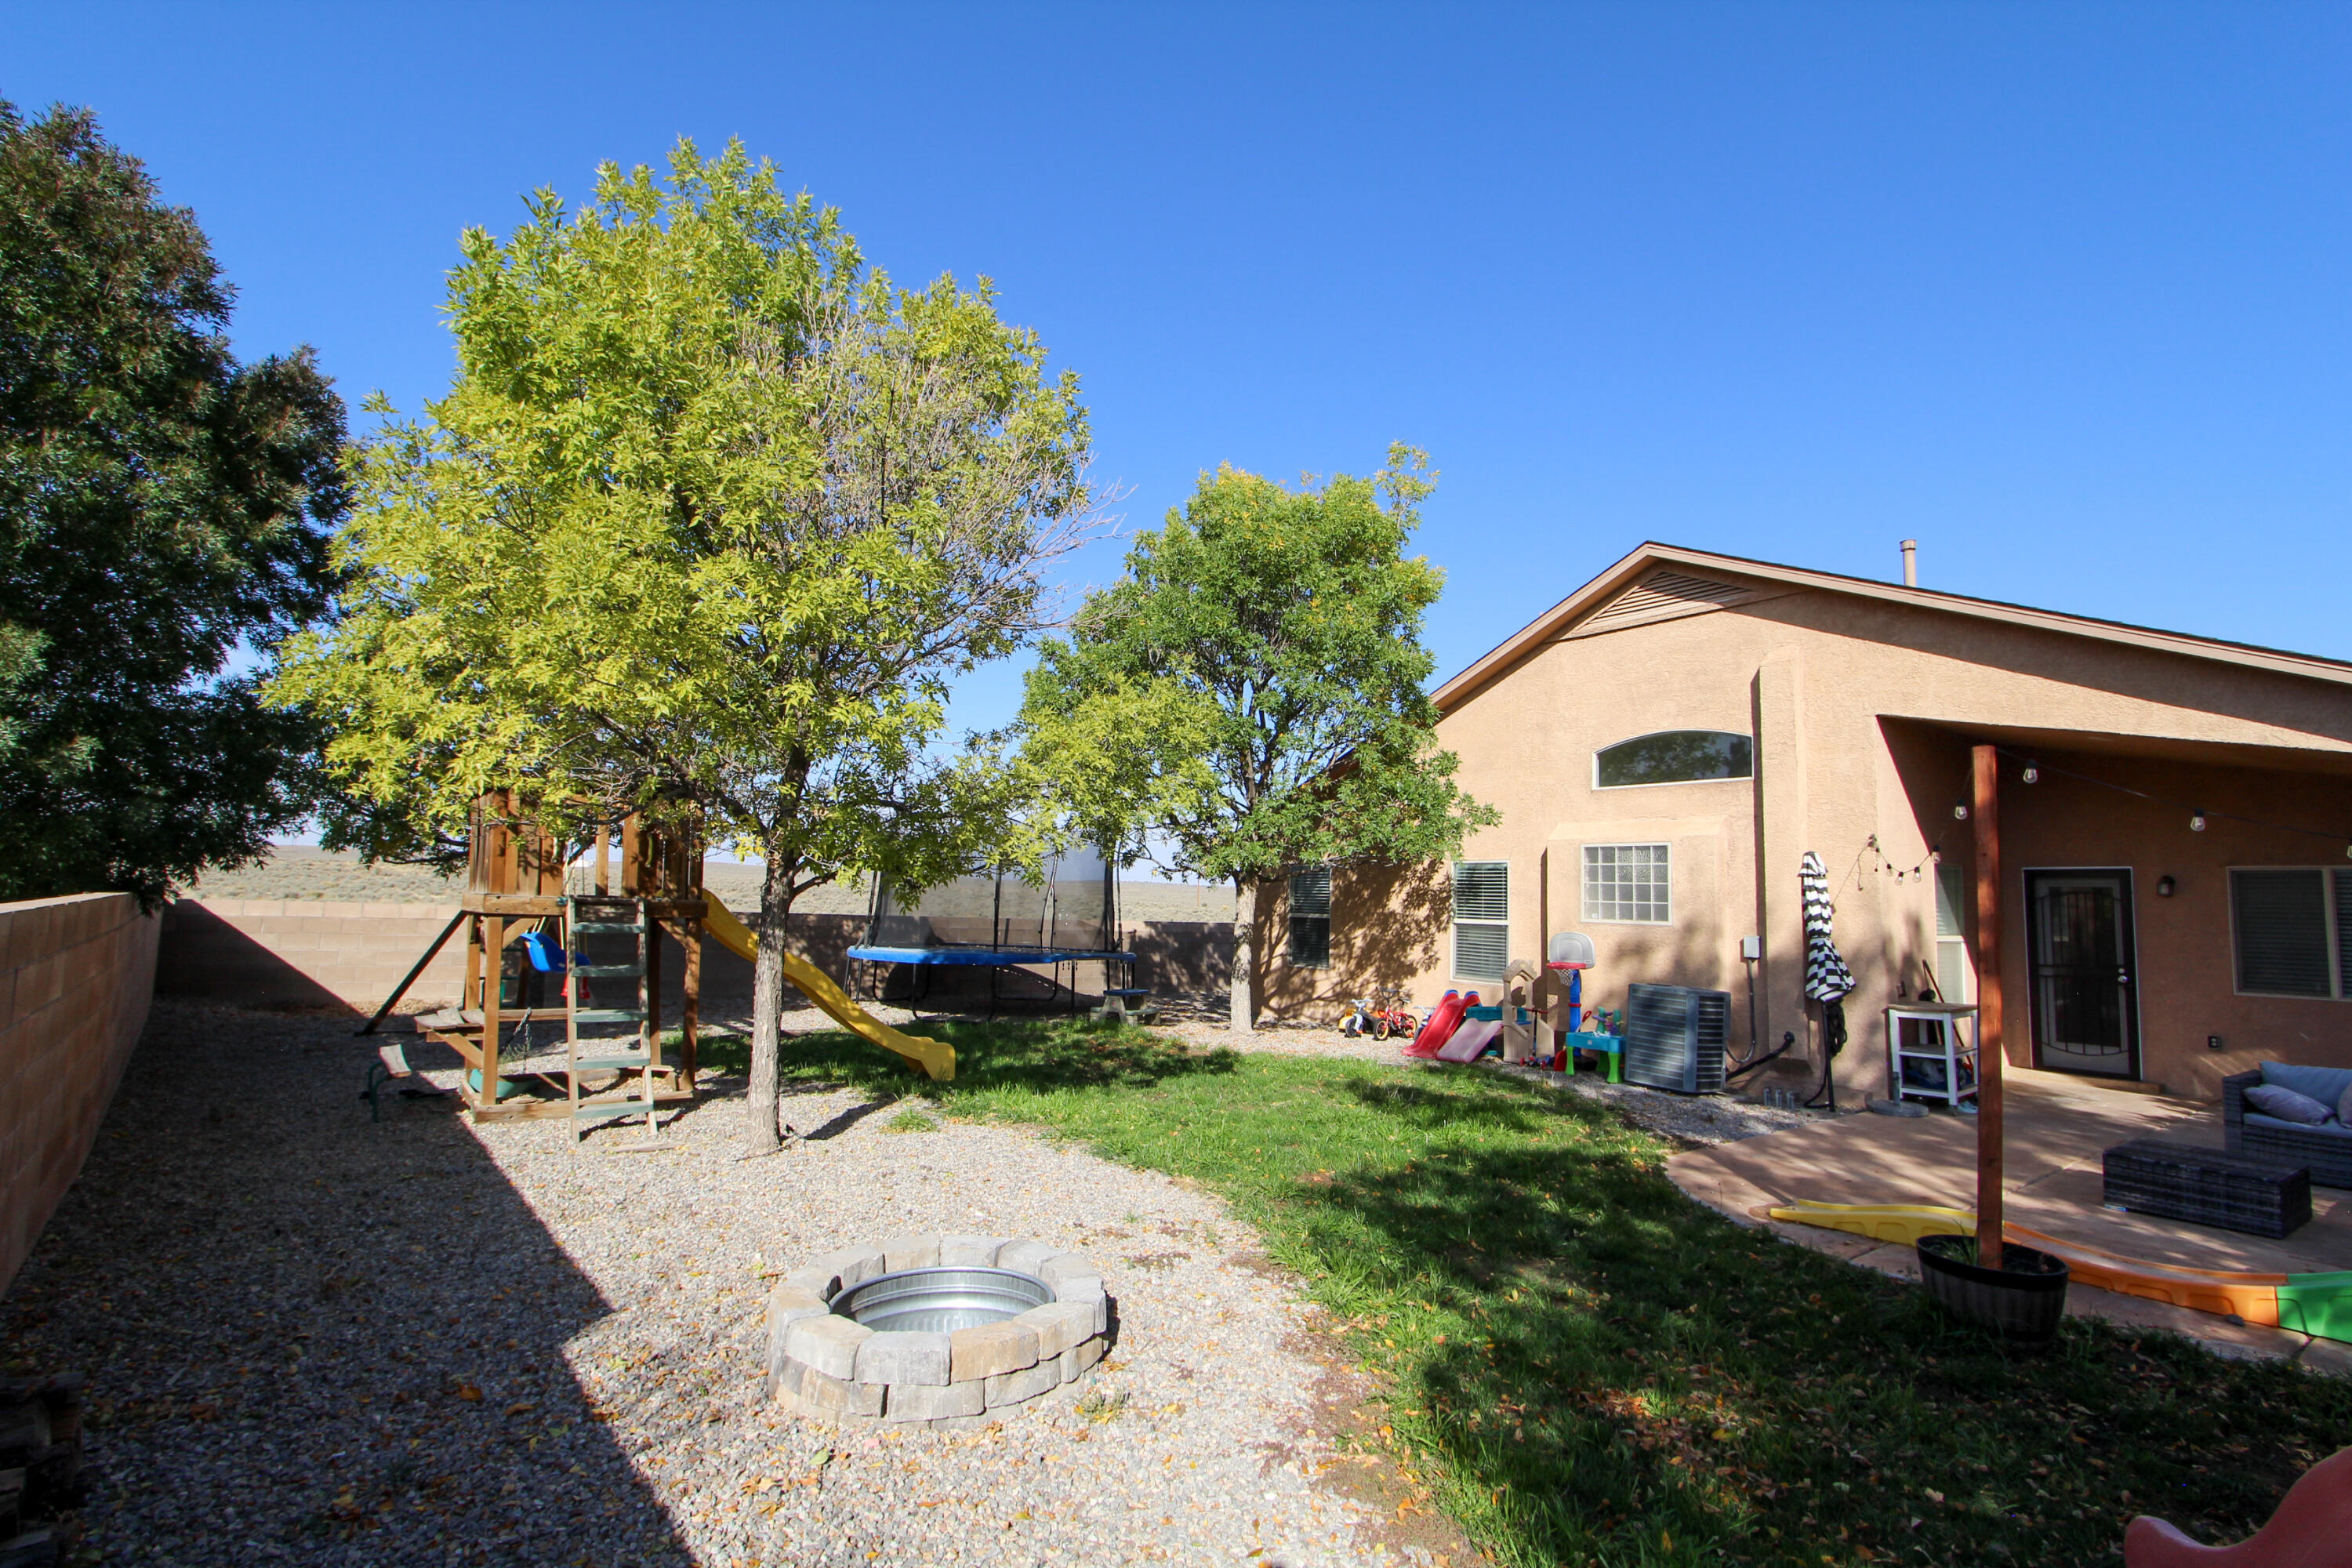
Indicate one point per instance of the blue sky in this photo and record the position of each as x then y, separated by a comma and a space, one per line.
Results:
2060, 290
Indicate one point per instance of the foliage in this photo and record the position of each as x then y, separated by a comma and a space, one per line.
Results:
1250, 693
161, 507
707, 523
1580, 1365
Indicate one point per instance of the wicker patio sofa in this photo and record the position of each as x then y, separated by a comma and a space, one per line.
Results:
2326, 1150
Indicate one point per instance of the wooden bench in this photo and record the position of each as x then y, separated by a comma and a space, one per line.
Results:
392, 1064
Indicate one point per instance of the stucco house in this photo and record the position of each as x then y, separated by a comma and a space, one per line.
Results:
2164, 822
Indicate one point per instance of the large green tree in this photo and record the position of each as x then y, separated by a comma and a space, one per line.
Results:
709, 519
1250, 695
163, 508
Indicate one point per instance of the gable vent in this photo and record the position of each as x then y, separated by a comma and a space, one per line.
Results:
1663, 596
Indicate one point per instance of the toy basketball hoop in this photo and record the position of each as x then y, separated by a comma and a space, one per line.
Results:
1570, 951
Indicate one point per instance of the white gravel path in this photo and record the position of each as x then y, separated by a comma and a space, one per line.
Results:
313, 1339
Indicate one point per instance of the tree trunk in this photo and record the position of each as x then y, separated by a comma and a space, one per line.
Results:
760, 1118
1245, 984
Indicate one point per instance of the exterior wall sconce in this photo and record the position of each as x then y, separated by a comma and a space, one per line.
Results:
2196, 822
2033, 774
2163, 886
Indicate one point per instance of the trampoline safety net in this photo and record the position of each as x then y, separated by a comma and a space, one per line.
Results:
1075, 908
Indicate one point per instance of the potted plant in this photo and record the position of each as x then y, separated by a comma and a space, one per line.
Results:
2023, 1295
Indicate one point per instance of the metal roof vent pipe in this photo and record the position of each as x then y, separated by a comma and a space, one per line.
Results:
1910, 562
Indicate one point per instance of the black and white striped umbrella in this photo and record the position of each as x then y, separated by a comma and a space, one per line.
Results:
1826, 975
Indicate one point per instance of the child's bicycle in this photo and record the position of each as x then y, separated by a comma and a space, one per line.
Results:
1373, 1015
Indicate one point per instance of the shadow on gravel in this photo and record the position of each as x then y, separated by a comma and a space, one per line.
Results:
314, 1339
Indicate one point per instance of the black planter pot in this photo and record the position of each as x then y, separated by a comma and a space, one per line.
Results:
2024, 1304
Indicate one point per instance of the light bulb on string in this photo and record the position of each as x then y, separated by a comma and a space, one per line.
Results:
1959, 812
2196, 822
2033, 774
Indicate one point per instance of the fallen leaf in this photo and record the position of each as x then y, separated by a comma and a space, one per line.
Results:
467, 1391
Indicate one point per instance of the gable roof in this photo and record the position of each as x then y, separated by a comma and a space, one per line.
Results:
1664, 582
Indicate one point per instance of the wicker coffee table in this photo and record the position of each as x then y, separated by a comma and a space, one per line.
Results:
2207, 1186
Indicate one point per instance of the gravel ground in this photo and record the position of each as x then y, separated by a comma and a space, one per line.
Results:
313, 1339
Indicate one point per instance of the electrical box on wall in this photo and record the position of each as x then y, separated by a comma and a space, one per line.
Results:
1751, 948
2212, 1042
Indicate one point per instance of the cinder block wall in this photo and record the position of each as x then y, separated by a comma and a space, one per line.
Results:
75, 978
309, 953
305, 953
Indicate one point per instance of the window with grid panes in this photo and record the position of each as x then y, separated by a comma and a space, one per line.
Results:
1482, 919
2292, 929
1311, 918
1629, 883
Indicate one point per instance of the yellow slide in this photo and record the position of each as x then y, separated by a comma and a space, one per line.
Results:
935, 1058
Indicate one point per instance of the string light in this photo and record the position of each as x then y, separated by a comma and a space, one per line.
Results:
2197, 815
2033, 774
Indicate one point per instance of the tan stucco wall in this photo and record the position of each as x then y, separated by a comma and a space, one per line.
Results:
1862, 713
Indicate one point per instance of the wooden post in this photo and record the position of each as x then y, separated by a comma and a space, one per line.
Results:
494, 954
1985, 813
650, 992
691, 1013
472, 994
604, 859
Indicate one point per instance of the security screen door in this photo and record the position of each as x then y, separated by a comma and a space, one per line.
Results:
2086, 1006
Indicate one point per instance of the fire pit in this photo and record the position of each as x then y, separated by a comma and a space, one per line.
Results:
935, 1330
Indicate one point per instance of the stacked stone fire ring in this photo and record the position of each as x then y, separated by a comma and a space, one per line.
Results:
933, 1329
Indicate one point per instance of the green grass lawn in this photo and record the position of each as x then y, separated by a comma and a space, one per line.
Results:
1587, 1367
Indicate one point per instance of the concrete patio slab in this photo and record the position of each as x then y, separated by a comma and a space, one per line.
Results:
2056, 1130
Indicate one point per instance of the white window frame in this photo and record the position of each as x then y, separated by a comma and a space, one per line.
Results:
1585, 888
2339, 983
1747, 778
1504, 925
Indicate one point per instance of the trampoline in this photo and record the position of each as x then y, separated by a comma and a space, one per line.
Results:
1003, 923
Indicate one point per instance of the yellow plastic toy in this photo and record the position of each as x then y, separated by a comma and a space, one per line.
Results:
935, 1058
2318, 1304
1903, 1224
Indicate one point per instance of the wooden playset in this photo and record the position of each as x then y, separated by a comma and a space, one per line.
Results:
528, 935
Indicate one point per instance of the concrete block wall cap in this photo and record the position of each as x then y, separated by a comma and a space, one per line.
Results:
969, 1251
1065, 1266
924, 1402
853, 1265
1025, 1257
986, 1349
903, 1357
817, 1281
909, 1251
828, 1344
1079, 1287
1061, 1324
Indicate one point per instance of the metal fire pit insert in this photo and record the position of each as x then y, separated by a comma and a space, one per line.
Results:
939, 1301
933, 1329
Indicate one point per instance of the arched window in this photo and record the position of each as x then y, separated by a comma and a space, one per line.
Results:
1674, 756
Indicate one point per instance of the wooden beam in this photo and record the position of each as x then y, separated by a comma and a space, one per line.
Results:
1985, 817
540, 905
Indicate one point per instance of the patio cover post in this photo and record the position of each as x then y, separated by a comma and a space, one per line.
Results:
1985, 816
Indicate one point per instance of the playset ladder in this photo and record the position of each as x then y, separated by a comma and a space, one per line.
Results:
603, 915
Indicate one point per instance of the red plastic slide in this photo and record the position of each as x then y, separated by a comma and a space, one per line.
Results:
1444, 1019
